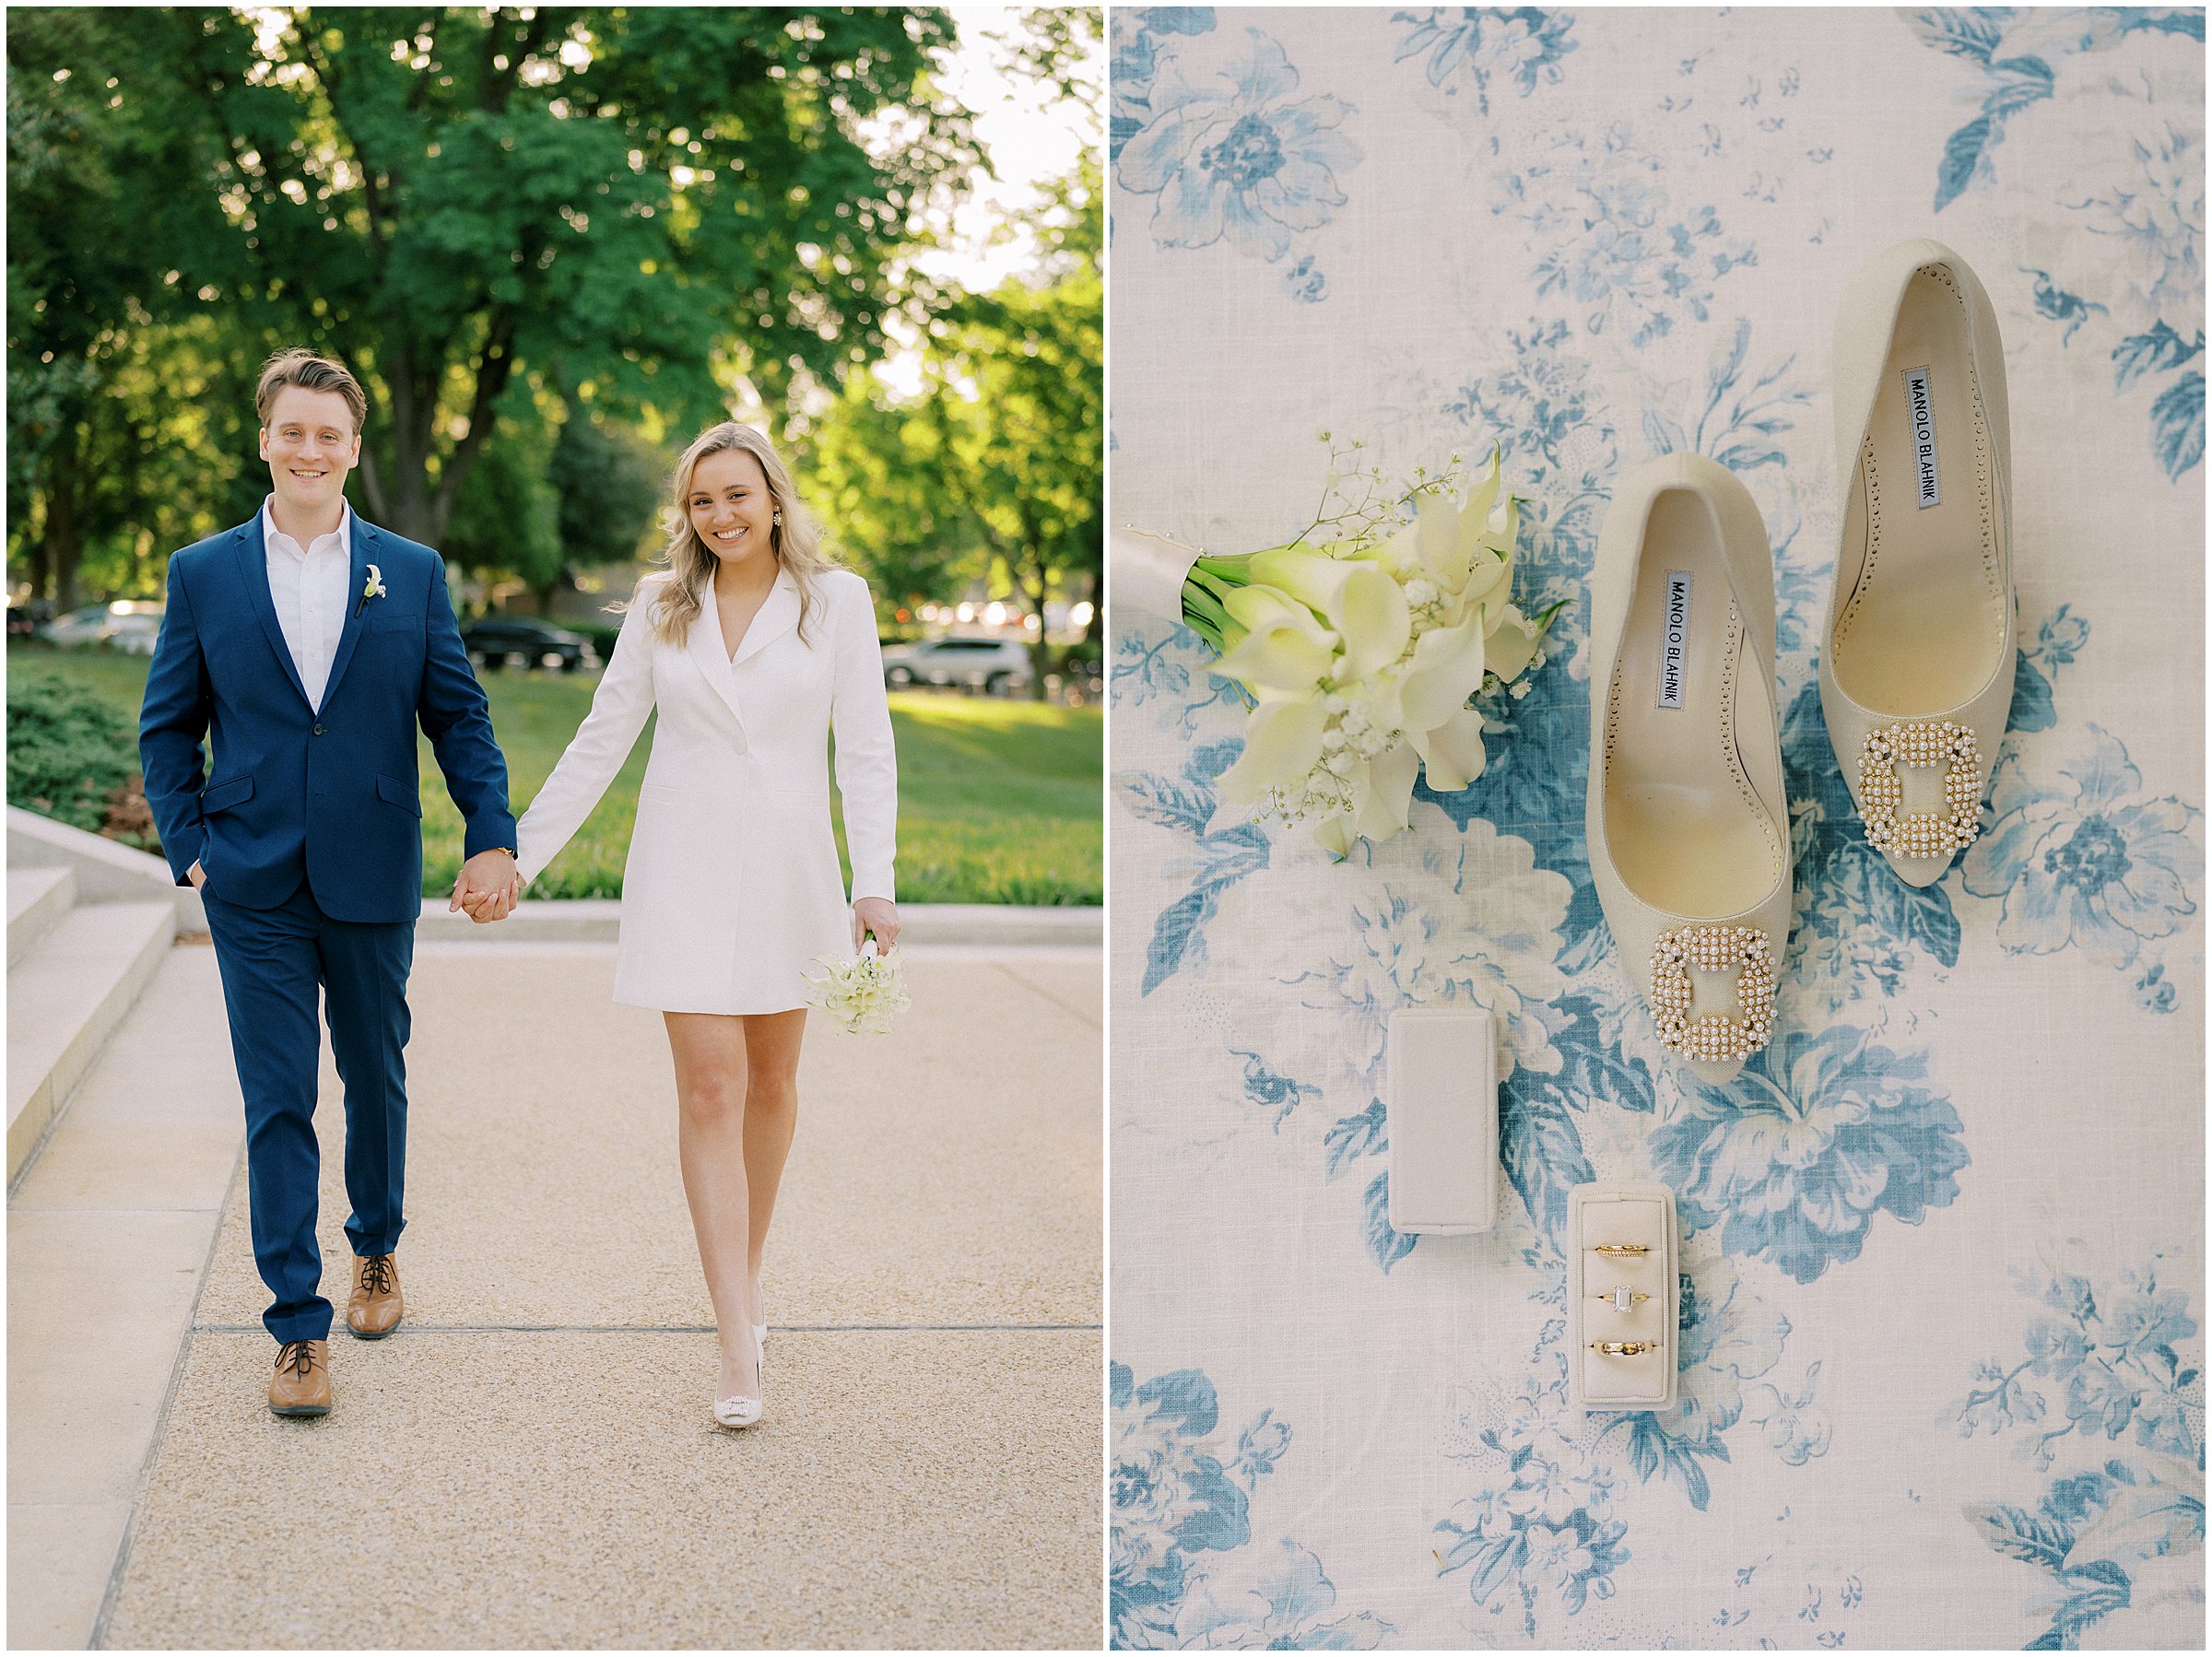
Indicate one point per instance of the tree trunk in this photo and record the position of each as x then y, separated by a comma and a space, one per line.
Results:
41, 566
62, 543
406, 487
1041, 652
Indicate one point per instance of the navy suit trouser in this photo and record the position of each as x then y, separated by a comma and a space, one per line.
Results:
273, 963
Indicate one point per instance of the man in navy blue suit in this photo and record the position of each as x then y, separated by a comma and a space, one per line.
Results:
304, 647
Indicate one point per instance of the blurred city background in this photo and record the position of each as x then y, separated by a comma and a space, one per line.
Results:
554, 244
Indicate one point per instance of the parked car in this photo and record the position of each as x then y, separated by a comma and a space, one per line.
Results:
523, 641
993, 664
130, 625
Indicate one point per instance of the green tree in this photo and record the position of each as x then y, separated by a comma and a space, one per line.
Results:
1001, 451
609, 484
507, 518
648, 203
873, 470
1015, 390
103, 202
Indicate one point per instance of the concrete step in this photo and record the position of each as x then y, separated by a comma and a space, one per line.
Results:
36, 899
70, 990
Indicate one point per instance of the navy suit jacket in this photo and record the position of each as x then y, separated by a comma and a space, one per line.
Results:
290, 794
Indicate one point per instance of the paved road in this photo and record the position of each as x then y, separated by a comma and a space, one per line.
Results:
530, 1462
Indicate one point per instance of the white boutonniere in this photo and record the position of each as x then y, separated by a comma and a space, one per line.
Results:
864, 992
372, 588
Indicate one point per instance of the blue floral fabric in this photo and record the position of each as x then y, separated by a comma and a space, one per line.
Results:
1943, 1241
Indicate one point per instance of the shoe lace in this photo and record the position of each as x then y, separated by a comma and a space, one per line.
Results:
376, 1273
298, 1354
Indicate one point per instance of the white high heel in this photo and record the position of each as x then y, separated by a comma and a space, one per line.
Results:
1917, 662
1687, 820
737, 1410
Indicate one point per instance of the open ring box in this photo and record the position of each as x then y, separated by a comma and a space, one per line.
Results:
1625, 1218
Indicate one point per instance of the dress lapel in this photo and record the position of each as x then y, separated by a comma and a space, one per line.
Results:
253, 570
364, 538
779, 614
705, 645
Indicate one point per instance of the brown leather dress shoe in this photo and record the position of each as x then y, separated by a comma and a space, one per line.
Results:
301, 1385
372, 1310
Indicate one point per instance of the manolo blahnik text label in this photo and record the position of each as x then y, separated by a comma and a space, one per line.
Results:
1674, 649
1924, 436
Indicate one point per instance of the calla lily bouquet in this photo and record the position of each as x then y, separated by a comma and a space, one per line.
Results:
1364, 654
862, 992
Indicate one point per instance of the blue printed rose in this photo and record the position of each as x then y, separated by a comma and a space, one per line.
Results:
1227, 152
1822, 1133
2087, 861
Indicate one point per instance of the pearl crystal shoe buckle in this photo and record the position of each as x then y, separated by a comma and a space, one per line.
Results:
1714, 1038
1921, 833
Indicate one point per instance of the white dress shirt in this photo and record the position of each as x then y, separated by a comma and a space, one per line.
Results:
309, 586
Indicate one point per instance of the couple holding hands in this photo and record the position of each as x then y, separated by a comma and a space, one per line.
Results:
299, 653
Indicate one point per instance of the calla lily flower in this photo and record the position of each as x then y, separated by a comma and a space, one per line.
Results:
1452, 751
1282, 659
1447, 669
1282, 745
1388, 807
1514, 644
1355, 596
1259, 607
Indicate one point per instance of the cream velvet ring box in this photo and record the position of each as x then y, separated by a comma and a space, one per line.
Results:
1623, 1297
1442, 1110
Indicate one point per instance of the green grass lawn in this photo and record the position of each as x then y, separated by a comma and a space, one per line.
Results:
999, 802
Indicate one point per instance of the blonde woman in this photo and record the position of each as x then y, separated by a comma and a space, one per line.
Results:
754, 647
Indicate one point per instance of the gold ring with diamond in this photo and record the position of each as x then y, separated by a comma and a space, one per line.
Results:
1624, 1349
1621, 1298
1630, 1250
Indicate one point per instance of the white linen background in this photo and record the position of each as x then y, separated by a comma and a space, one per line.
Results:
1945, 1243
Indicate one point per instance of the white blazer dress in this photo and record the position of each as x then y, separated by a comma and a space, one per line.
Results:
732, 891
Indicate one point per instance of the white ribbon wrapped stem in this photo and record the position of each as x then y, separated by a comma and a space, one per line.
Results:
1146, 572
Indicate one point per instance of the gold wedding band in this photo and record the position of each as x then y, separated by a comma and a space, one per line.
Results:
1624, 1349
1624, 1249
1622, 1297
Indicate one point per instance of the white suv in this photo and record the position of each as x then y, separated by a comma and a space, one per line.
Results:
993, 665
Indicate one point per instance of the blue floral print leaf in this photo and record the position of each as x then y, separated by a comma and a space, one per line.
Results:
1594, 1066
2164, 20
1223, 1518
1961, 155
2078, 1612
2019, 1534
1184, 1396
2032, 708
1961, 32
2177, 425
1166, 801
1177, 19
1655, 1451
1172, 936
1388, 1247
2160, 349
1542, 1148
2023, 81
1356, 1136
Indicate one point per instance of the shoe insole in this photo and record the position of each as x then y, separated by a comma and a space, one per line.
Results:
1925, 619
1687, 833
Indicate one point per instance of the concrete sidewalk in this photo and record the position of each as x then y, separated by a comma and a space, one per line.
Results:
529, 1462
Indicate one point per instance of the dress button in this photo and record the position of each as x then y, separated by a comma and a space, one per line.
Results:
318, 730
